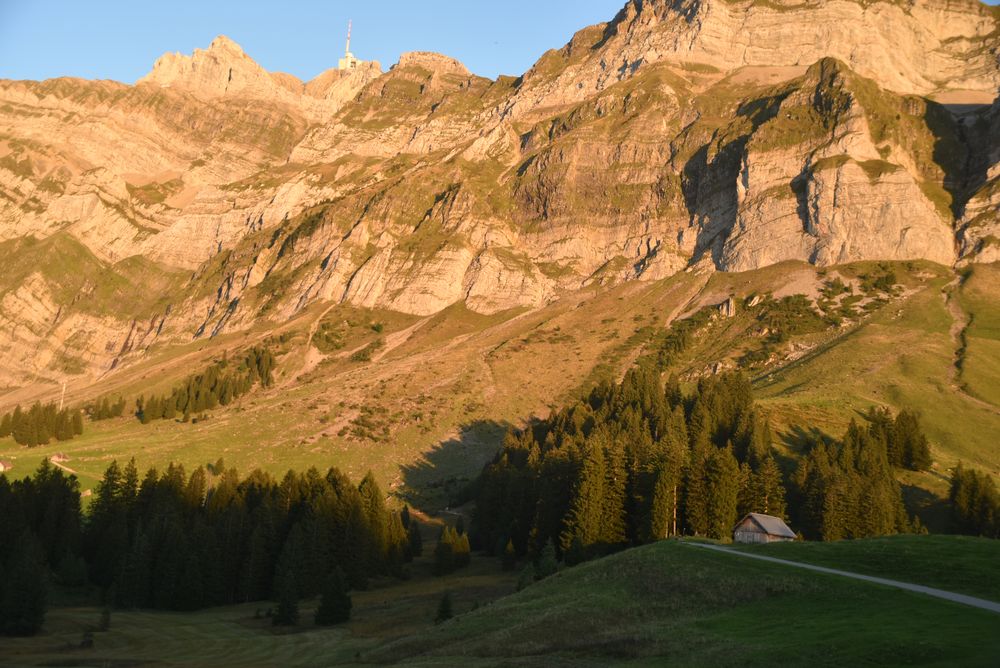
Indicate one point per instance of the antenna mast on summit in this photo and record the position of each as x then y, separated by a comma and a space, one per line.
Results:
348, 62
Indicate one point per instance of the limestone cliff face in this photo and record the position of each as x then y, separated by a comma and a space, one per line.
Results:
816, 181
727, 133
908, 46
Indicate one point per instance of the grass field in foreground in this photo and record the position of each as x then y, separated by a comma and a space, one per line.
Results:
960, 564
671, 603
667, 603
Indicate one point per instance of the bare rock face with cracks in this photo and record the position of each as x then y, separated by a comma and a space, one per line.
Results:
719, 134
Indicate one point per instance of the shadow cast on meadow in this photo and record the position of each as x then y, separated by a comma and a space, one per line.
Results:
442, 477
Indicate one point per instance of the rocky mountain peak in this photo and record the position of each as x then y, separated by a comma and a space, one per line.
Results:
221, 69
435, 63
224, 44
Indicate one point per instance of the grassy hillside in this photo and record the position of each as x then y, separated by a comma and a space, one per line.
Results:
901, 357
672, 602
430, 403
981, 361
664, 603
427, 407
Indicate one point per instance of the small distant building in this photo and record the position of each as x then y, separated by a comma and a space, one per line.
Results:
59, 458
757, 528
5, 466
348, 62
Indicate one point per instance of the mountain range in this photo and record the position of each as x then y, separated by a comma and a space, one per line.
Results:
720, 135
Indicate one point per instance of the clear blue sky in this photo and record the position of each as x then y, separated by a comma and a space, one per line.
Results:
120, 39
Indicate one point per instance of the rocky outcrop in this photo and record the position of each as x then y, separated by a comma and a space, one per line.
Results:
436, 63
816, 183
221, 69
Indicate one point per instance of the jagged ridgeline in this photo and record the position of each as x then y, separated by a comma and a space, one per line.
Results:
219, 385
637, 462
40, 424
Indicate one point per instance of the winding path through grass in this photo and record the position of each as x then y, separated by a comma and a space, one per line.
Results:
981, 603
961, 321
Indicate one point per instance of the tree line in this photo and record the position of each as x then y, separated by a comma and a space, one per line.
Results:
40, 424
104, 409
640, 461
172, 541
219, 385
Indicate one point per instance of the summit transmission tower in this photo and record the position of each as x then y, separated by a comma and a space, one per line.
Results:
348, 62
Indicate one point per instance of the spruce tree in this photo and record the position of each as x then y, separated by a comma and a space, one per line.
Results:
769, 488
584, 520
335, 601
722, 485
415, 540
373, 503
463, 550
286, 595
613, 505
696, 488
444, 612
546, 564
664, 504
398, 549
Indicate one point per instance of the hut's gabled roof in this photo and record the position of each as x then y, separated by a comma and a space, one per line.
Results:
773, 526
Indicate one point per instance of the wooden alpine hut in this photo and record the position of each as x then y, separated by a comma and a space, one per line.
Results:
758, 528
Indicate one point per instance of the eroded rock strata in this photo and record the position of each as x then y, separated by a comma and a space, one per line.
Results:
727, 134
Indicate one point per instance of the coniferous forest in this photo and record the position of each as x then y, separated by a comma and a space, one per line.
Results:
40, 424
172, 541
219, 385
638, 462
975, 503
